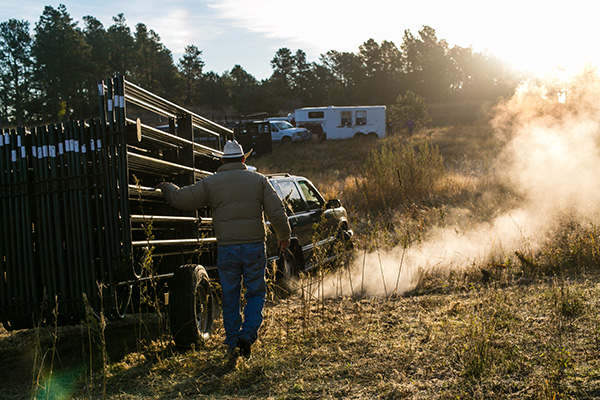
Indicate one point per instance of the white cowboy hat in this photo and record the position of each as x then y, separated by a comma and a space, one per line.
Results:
233, 149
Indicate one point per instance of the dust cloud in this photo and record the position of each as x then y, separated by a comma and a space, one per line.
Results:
550, 160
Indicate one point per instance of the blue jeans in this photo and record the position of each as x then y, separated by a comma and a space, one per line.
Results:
249, 261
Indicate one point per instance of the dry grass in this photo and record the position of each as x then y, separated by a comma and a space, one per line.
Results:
535, 341
521, 326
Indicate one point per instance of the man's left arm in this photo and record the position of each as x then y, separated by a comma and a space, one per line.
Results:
186, 198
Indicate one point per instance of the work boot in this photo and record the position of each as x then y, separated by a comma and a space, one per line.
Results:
233, 352
244, 347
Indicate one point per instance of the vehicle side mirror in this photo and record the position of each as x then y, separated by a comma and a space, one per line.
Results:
333, 203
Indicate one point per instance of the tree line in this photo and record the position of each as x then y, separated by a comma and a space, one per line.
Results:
50, 73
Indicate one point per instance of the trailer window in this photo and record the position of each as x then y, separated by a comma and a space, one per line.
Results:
346, 118
361, 117
316, 114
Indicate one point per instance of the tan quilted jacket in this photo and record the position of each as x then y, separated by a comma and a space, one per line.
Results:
237, 197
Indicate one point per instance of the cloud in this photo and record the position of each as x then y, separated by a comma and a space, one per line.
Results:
317, 26
531, 35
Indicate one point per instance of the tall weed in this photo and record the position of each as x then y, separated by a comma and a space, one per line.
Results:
399, 173
572, 249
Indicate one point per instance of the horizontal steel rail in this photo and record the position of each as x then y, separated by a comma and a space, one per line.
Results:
145, 99
160, 166
174, 242
168, 218
144, 191
167, 139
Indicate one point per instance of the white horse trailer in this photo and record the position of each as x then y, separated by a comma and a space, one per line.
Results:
342, 122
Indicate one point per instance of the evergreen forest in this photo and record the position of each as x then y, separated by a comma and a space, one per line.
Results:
49, 73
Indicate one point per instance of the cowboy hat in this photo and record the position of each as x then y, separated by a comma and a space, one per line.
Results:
233, 149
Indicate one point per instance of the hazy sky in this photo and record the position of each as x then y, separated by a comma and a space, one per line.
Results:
536, 35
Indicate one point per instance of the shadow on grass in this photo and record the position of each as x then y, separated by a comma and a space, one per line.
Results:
59, 363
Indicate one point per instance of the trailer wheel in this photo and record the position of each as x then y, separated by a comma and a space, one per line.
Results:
192, 306
17, 324
122, 298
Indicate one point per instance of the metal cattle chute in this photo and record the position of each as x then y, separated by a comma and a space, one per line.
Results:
82, 227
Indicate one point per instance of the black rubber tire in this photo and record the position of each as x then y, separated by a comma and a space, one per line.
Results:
286, 140
192, 306
121, 298
17, 324
287, 271
346, 237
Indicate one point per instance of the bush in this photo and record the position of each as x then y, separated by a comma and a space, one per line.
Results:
399, 173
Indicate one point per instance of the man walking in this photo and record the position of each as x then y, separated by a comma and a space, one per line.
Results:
237, 197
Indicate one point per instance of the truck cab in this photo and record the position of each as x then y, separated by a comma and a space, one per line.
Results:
317, 225
283, 132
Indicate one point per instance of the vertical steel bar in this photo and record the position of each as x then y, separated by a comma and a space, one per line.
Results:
27, 174
109, 193
85, 214
17, 229
79, 249
69, 240
57, 221
11, 254
98, 206
123, 174
52, 220
116, 185
33, 280
114, 172
44, 258
23, 222
5, 289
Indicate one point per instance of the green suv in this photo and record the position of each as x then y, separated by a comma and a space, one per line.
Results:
320, 231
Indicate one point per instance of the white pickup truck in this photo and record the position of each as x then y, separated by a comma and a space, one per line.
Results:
284, 132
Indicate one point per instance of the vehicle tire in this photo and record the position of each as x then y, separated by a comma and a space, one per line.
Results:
286, 140
192, 306
345, 236
287, 271
121, 298
347, 240
372, 136
16, 324
359, 135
